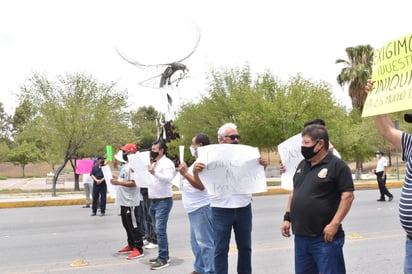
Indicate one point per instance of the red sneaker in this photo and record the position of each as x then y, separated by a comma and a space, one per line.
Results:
126, 249
135, 254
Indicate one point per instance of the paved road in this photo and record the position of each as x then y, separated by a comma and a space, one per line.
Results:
49, 239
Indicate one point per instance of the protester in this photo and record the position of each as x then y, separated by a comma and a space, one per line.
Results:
161, 201
232, 211
88, 188
99, 187
402, 141
381, 172
322, 195
128, 195
196, 201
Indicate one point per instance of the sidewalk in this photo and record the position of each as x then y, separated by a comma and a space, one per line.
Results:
71, 197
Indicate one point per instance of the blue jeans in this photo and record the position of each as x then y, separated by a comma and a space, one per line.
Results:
313, 255
241, 221
159, 211
407, 268
201, 239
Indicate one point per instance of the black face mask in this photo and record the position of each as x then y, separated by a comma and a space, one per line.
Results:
125, 157
154, 154
308, 152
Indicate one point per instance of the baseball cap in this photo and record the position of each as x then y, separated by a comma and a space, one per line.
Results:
129, 147
379, 152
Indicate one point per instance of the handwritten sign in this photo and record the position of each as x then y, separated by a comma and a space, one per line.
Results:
392, 77
231, 169
107, 173
290, 155
84, 166
139, 163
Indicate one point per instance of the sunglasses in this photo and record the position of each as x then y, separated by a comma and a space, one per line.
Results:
233, 137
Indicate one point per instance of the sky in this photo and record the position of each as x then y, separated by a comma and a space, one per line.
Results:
284, 37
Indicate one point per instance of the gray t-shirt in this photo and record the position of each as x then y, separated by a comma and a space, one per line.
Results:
127, 196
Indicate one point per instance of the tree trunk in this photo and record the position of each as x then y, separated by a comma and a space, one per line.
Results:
76, 182
358, 169
56, 176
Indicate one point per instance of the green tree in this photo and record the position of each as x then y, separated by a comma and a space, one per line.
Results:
357, 70
356, 73
266, 110
23, 154
5, 126
144, 124
75, 117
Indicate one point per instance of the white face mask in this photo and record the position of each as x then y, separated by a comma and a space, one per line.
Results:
192, 151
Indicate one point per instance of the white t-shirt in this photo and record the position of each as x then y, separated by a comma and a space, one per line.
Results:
193, 198
382, 163
87, 179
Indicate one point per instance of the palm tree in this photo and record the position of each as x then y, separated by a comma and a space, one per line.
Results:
357, 71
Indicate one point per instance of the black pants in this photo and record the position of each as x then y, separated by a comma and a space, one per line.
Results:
99, 190
150, 233
131, 223
382, 185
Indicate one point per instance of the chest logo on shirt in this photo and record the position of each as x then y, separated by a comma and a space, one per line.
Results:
323, 173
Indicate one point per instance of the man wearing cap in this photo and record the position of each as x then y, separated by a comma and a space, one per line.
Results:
402, 141
99, 187
128, 195
380, 172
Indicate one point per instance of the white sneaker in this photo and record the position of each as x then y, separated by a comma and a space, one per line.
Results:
150, 246
145, 242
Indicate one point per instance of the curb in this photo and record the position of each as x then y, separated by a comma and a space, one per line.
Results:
63, 201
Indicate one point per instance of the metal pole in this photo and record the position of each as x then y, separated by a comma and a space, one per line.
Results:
396, 125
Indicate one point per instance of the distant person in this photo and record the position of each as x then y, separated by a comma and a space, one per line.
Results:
402, 141
381, 172
99, 187
322, 196
128, 195
88, 189
161, 200
196, 201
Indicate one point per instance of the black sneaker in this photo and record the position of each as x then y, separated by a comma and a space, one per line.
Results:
154, 260
93, 214
390, 198
159, 265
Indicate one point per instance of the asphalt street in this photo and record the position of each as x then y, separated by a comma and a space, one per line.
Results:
54, 239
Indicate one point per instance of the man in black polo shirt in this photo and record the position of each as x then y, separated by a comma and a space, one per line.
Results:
322, 196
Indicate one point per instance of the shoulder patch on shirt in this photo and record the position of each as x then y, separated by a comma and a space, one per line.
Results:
322, 173
299, 170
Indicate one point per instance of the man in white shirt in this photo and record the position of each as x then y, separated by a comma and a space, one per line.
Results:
381, 171
161, 200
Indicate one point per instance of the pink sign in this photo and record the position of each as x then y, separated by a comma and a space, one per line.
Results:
84, 166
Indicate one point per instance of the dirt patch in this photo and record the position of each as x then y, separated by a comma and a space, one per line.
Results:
31, 170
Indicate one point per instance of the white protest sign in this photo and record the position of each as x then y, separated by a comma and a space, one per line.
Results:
290, 155
289, 152
107, 173
231, 169
139, 163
